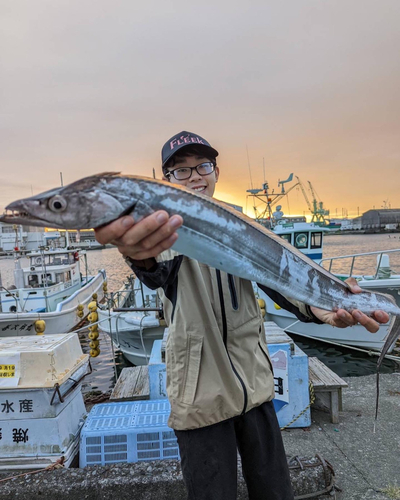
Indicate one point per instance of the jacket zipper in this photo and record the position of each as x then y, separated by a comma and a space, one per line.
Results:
232, 289
225, 337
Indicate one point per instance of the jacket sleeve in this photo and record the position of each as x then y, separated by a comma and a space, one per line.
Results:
163, 273
299, 309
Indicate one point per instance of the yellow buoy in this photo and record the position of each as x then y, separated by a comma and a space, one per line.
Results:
93, 317
105, 286
263, 312
94, 353
93, 335
94, 296
40, 326
94, 328
92, 306
277, 307
80, 307
261, 303
94, 344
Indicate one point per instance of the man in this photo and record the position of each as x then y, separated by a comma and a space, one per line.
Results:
219, 375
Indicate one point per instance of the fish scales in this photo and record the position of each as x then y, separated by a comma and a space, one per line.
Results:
212, 233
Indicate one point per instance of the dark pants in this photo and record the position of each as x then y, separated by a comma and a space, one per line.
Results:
209, 458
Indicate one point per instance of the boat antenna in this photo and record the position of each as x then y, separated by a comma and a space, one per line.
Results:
61, 178
154, 173
248, 163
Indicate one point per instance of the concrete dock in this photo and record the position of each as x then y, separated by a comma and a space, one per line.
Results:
366, 464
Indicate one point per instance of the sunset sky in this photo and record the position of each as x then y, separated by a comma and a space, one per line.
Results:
311, 86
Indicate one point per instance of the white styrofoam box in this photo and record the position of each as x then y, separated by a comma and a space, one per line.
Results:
35, 361
16, 404
42, 436
127, 432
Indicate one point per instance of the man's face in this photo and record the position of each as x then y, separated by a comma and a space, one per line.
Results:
204, 184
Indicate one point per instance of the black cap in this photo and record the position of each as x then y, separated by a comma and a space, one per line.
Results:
182, 140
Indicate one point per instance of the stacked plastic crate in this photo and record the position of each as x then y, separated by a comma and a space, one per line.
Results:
127, 432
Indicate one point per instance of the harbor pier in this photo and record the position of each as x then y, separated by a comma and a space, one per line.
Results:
365, 463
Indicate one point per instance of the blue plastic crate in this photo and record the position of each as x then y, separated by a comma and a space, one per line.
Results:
127, 432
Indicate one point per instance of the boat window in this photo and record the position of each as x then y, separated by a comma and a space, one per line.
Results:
59, 277
287, 237
33, 280
316, 240
67, 276
46, 278
301, 240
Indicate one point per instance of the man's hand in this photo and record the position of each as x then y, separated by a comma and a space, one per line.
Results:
343, 319
144, 240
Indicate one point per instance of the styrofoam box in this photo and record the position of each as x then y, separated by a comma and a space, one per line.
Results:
127, 432
20, 403
42, 436
42, 360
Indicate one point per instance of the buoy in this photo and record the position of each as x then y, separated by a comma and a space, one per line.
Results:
277, 307
94, 344
263, 312
105, 286
92, 306
261, 303
94, 353
93, 328
94, 296
40, 326
93, 317
93, 335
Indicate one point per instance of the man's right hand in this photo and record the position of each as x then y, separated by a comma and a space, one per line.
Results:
144, 240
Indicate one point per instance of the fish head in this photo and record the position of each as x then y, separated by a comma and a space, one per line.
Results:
84, 204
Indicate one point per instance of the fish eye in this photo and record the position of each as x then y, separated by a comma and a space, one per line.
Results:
57, 203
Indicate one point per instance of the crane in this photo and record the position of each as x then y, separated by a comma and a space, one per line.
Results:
319, 212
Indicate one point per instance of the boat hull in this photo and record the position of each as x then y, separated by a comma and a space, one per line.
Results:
62, 320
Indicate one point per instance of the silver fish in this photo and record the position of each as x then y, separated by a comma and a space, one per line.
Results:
212, 233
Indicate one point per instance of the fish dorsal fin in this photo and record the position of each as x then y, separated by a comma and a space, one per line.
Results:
107, 174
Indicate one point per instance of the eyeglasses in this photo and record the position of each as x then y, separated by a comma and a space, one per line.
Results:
183, 173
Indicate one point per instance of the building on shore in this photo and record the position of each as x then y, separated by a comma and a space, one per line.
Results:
381, 220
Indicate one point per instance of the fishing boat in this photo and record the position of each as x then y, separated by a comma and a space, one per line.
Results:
133, 318
50, 295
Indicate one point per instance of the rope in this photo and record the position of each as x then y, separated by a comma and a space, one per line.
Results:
56, 465
312, 399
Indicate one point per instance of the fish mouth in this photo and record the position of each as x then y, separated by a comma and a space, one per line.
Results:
20, 216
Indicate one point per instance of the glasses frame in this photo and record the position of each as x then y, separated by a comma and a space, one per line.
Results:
171, 172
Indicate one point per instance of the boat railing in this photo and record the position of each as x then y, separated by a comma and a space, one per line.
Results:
329, 261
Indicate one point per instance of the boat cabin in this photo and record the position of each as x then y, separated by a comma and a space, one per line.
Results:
305, 236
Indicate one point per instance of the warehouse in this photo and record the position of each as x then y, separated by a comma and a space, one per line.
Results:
379, 219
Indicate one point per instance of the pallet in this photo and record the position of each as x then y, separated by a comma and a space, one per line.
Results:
132, 384
327, 388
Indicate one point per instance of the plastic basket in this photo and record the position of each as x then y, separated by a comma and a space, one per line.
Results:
127, 432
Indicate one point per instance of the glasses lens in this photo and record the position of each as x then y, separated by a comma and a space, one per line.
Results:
205, 168
181, 173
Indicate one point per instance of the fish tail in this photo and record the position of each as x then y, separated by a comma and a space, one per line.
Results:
393, 335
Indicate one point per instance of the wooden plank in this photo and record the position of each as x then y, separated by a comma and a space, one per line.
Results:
322, 377
132, 384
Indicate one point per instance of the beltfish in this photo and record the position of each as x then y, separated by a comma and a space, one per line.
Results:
212, 233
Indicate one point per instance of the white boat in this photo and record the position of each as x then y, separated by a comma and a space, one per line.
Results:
51, 289
133, 319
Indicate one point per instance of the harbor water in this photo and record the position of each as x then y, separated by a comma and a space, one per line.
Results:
343, 361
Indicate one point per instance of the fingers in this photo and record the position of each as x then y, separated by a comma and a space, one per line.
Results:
143, 240
114, 230
353, 284
356, 317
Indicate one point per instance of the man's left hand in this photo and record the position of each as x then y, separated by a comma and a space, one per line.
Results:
343, 319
